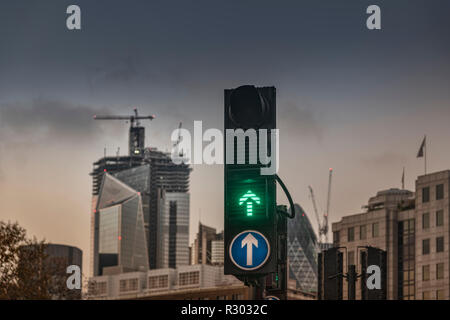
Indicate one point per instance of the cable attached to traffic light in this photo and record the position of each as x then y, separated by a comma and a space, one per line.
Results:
288, 195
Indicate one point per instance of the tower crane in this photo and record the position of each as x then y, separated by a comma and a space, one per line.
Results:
137, 133
176, 143
323, 225
134, 119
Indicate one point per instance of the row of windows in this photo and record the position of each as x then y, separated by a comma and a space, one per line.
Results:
440, 295
363, 232
439, 219
128, 285
187, 278
439, 193
406, 264
439, 272
97, 288
156, 282
426, 245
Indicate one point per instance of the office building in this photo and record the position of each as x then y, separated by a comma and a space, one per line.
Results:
217, 252
185, 282
202, 247
173, 248
52, 270
413, 227
120, 235
153, 175
302, 251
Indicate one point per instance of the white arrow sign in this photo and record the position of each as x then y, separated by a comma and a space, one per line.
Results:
249, 241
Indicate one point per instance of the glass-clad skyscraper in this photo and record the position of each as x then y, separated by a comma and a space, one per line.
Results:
173, 228
120, 237
303, 249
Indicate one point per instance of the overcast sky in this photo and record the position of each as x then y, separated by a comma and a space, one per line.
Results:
356, 100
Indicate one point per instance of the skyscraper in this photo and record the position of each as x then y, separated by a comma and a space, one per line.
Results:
119, 223
173, 248
202, 248
302, 251
155, 177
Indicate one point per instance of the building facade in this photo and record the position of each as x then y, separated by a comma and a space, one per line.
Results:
173, 248
152, 174
302, 252
185, 282
202, 249
217, 252
120, 233
413, 227
59, 257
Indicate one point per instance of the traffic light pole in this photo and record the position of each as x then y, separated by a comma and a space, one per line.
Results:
255, 228
351, 281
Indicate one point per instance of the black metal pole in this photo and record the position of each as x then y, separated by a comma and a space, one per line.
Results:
351, 280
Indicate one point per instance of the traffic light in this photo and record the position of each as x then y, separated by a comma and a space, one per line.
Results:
330, 274
250, 197
373, 256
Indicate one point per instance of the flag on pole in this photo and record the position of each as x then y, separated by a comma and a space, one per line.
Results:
422, 146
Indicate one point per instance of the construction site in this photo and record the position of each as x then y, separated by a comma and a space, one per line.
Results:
148, 171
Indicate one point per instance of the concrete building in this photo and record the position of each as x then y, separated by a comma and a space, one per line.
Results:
202, 247
413, 227
185, 282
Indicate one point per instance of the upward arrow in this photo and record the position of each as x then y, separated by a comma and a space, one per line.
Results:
249, 198
249, 241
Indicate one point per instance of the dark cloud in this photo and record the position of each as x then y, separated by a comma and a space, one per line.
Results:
49, 118
298, 121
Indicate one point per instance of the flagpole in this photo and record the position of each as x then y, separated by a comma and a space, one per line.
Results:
426, 147
403, 179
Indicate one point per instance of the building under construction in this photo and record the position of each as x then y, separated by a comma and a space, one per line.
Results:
157, 179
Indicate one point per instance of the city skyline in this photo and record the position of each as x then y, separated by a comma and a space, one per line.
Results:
347, 98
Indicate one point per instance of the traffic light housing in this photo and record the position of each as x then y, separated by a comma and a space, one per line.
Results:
250, 198
373, 256
330, 274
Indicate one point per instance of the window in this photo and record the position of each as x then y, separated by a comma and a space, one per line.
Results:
439, 244
426, 220
351, 258
426, 246
425, 273
406, 263
363, 232
350, 234
440, 295
426, 194
439, 192
128, 285
123, 285
426, 295
375, 230
97, 288
161, 281
439, 218
188, 278
440, 271
336, 237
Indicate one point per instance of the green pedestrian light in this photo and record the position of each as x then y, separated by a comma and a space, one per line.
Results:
248, 199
